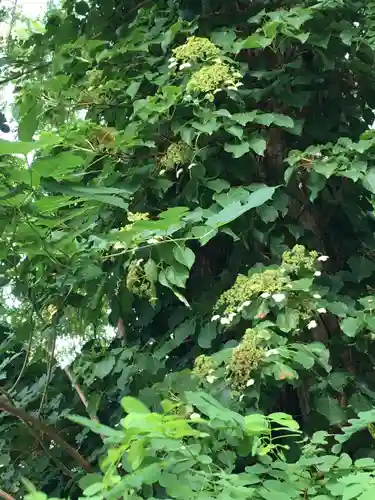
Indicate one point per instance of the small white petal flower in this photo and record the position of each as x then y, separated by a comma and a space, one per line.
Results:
232, 87
231, 316
179, 172
278, 297
323, 258
265, 295
171, 336
167, 357
195, 416
171, 59
191, 166
216, 91
173, 64
312, 324
317, 273
246, 303
322, 310
289, 285
250, 382
211, 379
241, 397
239, 84
185, 65
317, 296
162, 172
215, 317
224, 321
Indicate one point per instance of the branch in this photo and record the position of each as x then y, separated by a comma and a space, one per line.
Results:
20, 75
6, 496
25, 417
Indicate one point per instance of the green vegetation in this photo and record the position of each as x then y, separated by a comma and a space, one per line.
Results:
187, 237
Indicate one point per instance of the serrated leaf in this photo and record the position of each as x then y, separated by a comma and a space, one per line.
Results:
104, 367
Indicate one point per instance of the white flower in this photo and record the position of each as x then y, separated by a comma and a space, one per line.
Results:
246, 303
289, 285
231, 316
151, 241
215, 317
312, 324
191, 166
278, 297
271, 352
323, 258
211, 379
317, 273
167, 357
317, 296
250, 382
232, 87
171, 336
179, 172
225, 321
217, 90
162, 172
151, 342
171, 59
241, 397
195, 416
322, 310
172, 65
265, 295
185, 65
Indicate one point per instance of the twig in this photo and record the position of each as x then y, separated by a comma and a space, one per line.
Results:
6, 496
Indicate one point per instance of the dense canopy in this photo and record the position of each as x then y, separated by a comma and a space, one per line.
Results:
199, 176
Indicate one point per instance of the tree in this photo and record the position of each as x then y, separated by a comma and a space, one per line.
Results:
214, 205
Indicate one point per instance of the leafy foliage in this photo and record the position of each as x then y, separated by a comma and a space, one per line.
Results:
200, 178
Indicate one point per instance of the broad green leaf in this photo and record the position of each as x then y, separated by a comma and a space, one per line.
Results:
284, 420
236, 209
207, 334
256, 424
133, 405
351, 326
256, 41
104, 367
258, 145
96, 427
10, 147
184, 255
237, 150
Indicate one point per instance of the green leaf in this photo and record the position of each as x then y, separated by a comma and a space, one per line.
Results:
207, 334
288, 320
256, 424
258, 145
133, 89
133, 405
331, 409
96, 427
351, 326
353, 491
20, 148
284, 420
237, 150
256, 41
236, 209
104, 367
184, 255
